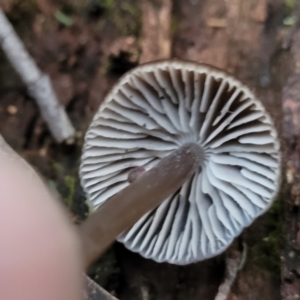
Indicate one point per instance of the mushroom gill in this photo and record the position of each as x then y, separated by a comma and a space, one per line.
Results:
155, 109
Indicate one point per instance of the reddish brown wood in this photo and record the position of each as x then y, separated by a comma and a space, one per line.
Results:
156, 35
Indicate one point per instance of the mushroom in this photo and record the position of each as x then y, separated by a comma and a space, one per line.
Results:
160, 107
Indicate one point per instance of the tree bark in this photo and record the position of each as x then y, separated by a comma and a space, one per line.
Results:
290, 289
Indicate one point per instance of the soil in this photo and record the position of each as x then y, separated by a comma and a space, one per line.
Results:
84, 54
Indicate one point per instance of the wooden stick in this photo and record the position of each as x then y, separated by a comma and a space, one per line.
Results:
156, 25
231, 272
144, 194
94, 291
234, 263
38, 83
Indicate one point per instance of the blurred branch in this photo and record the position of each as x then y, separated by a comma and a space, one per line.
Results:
38, 84
93, 291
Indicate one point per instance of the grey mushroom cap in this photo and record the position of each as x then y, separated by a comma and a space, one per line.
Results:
152, 111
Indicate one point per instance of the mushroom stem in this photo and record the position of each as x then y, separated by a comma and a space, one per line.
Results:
124, 209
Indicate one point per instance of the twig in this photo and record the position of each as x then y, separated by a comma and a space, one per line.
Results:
234, 262
38, 83
93, 291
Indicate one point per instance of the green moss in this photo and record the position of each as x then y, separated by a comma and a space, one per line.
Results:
290, 13
106, 4
124, 16
70, 182
105, 66
64, 184
266, 254
175, 25
63, 19
57, 167
290, 4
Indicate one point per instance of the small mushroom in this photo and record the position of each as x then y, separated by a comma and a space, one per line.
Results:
159, 107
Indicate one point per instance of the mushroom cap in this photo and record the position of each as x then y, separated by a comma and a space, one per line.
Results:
154, 109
